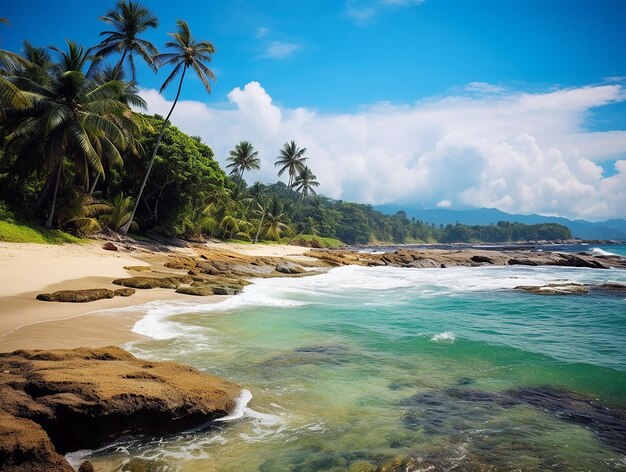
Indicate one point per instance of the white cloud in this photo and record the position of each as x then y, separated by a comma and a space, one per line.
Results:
280, 50
444, 204
262, 32
516, 151
363, 11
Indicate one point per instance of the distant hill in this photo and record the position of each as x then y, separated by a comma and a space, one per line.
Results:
610, 229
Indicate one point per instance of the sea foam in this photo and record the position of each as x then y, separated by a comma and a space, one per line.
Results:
445, 337
596, 251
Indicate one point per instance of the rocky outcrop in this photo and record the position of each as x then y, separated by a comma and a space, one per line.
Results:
425, 258
57, 401
288, 267
76, 296
153, 282
554, 289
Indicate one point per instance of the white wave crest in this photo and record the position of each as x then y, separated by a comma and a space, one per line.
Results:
596, 251
445, 337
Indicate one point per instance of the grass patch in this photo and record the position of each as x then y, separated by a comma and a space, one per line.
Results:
15, 232
310, 240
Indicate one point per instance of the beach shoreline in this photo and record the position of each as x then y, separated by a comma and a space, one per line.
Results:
30, 269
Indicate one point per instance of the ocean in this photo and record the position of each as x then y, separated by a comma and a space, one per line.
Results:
417, 369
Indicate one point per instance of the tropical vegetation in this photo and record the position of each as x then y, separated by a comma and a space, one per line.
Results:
77, 154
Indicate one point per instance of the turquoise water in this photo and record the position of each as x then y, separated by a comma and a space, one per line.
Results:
364, 367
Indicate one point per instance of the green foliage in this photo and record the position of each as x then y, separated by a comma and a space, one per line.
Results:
14, 232
315, 241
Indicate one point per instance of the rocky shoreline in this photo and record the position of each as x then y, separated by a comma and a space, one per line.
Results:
56, 401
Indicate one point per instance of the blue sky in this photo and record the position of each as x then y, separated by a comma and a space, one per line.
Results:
361, 58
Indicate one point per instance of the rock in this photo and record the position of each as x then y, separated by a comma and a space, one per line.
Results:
76, 296
109, 246
198, 290
478, 258
124, 292
25, 447
181, 262
554, 289
612, 287
138, 268
288, 267
224, 291
86, 467
154, 282
84, 398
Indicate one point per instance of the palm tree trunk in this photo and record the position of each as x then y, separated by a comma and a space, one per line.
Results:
93, 185
118, 67
124, 229
54, 195
46, 188
256, 237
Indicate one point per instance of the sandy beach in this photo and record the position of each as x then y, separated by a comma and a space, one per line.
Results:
29, 269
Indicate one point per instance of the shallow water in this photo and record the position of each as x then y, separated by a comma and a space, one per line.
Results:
439, 368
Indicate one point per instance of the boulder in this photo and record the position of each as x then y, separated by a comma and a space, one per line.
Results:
154, 282
288, 267
84, 398
109, 246
479, 258
76, 296
86, 467
555, 289
198, 290
124, 292
25, 447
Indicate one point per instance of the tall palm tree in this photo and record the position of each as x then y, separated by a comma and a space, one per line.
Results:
291, 159
242, 158
129, 20
305, 182
69, 117
187, 53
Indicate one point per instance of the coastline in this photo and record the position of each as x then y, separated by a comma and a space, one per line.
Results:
30, 269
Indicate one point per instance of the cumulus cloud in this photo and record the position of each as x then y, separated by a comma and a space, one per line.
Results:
516, 151
280, 50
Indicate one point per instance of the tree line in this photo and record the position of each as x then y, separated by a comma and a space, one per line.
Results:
77, 153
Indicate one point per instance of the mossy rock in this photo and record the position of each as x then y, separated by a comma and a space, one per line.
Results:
198, 290
153, 282
124, 292
180, 262
76, 296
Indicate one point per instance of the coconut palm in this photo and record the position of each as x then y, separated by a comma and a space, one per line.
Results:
275, 217
187, 53
242, 158
305, 182
291, 159
69, 118
129, 20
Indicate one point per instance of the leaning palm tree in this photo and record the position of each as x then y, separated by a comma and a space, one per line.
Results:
291, 159
187, 53
305, 182
242, 158
68, 119
129, 20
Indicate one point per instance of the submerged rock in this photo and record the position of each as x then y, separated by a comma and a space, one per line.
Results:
76, 296
555, 289
84, 398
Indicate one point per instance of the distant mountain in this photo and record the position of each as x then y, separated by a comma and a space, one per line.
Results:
610, 229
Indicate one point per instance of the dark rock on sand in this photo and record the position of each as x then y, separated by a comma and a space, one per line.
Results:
124, 292
86, 467
154, 282
109, 246
84, 398
76, 296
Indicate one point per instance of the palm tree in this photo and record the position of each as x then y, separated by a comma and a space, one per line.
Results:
129, 20
69, 117
188, 53
242, 158
4, 20
291, 159
305, 182
275, 217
